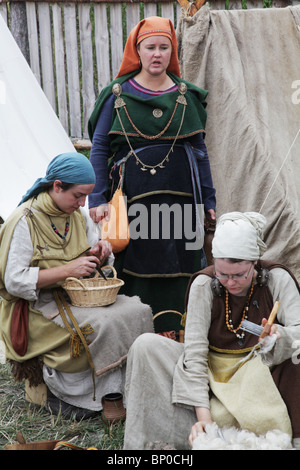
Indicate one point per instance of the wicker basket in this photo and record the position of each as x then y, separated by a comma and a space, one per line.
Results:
93, 292
180, 333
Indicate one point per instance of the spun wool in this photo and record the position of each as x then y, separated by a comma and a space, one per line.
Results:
231, 438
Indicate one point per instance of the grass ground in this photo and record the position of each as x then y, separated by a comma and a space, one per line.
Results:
35, 423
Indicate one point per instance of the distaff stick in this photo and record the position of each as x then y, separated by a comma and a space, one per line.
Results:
268, 325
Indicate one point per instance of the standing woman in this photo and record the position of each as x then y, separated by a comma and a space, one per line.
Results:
151, 122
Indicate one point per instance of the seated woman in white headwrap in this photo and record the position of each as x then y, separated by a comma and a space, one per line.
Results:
174, 390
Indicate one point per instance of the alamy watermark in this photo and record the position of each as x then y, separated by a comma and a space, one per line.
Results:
296, 93
160, 221
296, 352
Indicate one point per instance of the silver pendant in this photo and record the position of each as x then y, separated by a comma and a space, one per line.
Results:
153, 171
117, 90
181, 99
119, 103
182, 88
157, 113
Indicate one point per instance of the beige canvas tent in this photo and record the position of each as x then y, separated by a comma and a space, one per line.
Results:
249, 61
30, 132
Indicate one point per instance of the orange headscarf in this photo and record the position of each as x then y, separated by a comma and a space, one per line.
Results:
152, 26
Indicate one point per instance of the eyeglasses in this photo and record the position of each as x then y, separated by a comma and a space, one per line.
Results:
234, 277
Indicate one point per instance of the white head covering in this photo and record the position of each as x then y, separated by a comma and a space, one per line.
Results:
239, 235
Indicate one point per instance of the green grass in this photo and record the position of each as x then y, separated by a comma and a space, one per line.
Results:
36, 423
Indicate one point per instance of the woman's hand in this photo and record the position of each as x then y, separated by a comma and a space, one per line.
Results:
196, 429
204, 418
79, 267
82, 266
212, 214
99, 213
270, 330
102, 250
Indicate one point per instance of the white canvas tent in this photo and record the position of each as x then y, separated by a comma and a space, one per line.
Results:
30, 132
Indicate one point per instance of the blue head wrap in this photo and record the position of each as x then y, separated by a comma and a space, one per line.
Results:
71, 167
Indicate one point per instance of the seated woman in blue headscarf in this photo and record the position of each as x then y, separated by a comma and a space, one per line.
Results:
47, 239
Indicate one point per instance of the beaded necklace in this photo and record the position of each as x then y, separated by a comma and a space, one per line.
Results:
228, 318
57, 232
120, 103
